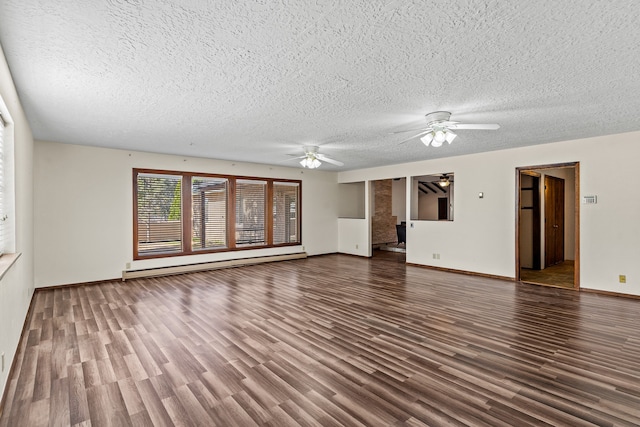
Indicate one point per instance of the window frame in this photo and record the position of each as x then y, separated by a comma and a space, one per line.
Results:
187, 213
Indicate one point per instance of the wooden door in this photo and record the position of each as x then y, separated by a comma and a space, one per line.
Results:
553, 220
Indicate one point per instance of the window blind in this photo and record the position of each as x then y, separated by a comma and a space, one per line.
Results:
209, 213
285, 212
3, 196
250, 207
159, 214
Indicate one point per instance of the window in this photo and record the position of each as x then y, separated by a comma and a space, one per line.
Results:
159, 214
285, 212
209, 213
183, 213
2, 192
7, 190
250, 208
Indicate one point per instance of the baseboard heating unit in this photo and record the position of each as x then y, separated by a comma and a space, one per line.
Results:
190, 268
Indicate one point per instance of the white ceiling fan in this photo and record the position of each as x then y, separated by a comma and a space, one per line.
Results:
313, 159
439, 129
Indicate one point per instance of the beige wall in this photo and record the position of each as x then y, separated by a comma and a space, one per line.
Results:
351, 200
399, 199
84, 208
482, 236
16, 287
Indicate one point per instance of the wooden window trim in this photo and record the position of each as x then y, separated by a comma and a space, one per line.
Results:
187, 213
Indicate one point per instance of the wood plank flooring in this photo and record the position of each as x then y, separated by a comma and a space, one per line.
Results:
327, 341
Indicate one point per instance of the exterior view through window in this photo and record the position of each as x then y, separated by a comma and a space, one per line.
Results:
183, 213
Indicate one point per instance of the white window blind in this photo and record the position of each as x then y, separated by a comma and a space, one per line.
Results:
285, 212
250, 206
3, 196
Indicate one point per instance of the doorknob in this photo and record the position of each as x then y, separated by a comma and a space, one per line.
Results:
555, 225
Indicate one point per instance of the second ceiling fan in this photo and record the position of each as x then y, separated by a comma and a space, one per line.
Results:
439, 129
313, 159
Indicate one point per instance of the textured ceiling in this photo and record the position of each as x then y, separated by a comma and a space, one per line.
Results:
255, 81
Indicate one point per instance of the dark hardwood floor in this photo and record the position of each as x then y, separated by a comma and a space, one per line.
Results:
332, 340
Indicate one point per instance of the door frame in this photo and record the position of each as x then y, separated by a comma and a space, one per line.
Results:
576, 170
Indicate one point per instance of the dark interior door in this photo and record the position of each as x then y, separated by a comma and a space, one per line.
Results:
553, 220
443, 208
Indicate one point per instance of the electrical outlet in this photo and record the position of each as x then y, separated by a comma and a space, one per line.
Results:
436, 256
128, 265
622, 278
303, 248
356, 246
2, 357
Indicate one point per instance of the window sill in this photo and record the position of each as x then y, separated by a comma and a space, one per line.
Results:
6, 261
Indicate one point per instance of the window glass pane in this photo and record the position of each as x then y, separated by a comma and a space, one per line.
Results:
209, 207
250, 202
285, 212
159, 214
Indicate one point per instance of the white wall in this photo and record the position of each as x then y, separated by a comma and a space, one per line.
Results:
428, 206
482, 236
354, 234
84, 208
351, 200
16, 288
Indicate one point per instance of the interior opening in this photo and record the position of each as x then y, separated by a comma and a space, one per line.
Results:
432, 197
548, 225
388, 218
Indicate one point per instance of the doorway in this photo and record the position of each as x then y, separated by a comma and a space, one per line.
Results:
388, 218
443, 208
548, 225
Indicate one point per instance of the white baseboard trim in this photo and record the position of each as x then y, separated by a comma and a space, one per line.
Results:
190, 268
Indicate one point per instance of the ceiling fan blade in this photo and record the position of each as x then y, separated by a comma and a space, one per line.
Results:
408, 130
328, 160
488, 126
414, 136
292, 158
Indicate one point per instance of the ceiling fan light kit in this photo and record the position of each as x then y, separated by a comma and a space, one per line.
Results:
310, 162
444, 181
436, 138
